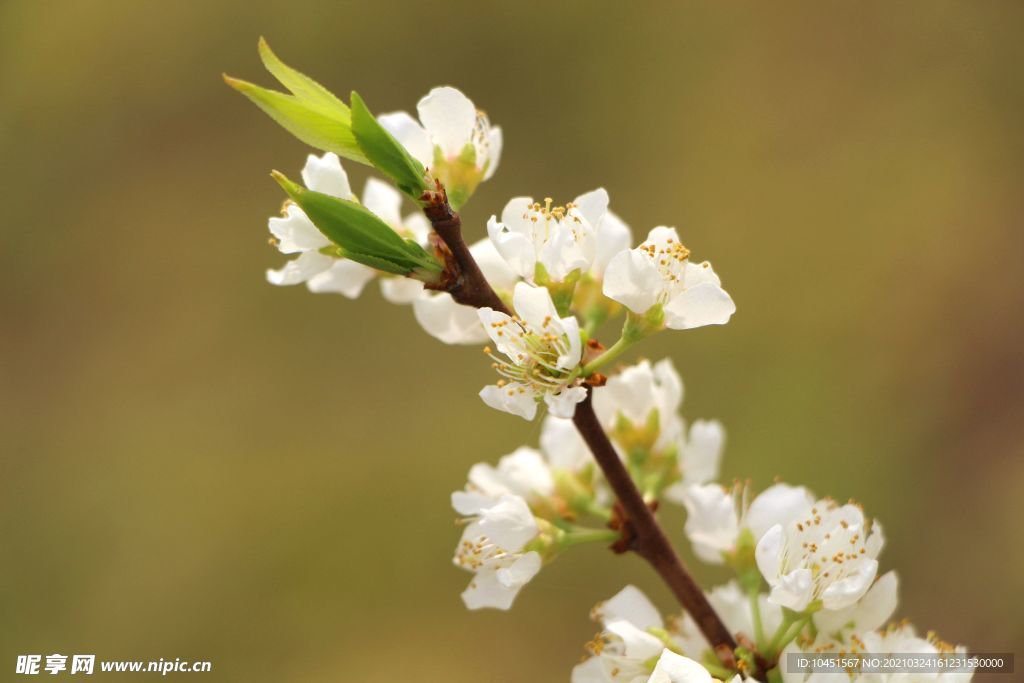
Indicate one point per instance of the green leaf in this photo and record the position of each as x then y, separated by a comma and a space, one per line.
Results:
316, 126
385, 152
362, 235
303, 87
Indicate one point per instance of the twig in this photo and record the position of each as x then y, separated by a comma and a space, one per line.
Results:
467, 283
647, 538
468, 286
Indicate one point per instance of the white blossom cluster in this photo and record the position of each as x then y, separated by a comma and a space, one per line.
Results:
805, 569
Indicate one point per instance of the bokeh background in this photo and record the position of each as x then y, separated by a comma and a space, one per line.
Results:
198, 465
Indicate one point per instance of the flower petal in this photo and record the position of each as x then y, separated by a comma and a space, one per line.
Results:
703, 304
613, 236
515, 248
534, 305
400, 290
851, 588
632, 280
711, 521
793, 590
593, 205
345, 277
563, 404
493, 265
443, 319
383, 200
511, 398
674, 668
295, 232
495, 142
325, 174
309, 264
632, 605
778, 504
410, 134
449, 117
702, 453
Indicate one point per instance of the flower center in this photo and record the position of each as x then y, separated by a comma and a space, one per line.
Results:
829, 547
476, 553
548, 221
670, 259
533, 356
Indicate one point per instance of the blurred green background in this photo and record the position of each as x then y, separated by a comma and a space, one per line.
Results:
198, 465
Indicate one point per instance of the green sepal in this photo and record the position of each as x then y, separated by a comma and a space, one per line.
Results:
384, 152
360, 233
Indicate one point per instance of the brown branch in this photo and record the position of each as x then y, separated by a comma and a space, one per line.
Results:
647, 538
641, 531
462, 277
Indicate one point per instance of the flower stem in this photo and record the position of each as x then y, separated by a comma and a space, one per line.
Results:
755, 609
610, 354
583, 535
789, 629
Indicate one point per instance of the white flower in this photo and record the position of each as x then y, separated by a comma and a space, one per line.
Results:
493, 548
640, 390
442, 318
296, 234
827, 554
868, 614
899, 638
543, 350
626, 644
673, 668
524, 473
633, 633
580, 236
659, 272
716, 516
452, 138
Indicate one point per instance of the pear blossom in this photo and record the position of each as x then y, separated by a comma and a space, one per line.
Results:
900, 638
717, 516
896, 638
643, 392
453, 323
634, 633
827, 554
543, 352
494, 548
452, 138
556, 241
524, 473
659, 272
296, 234
868, 614
323, 271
